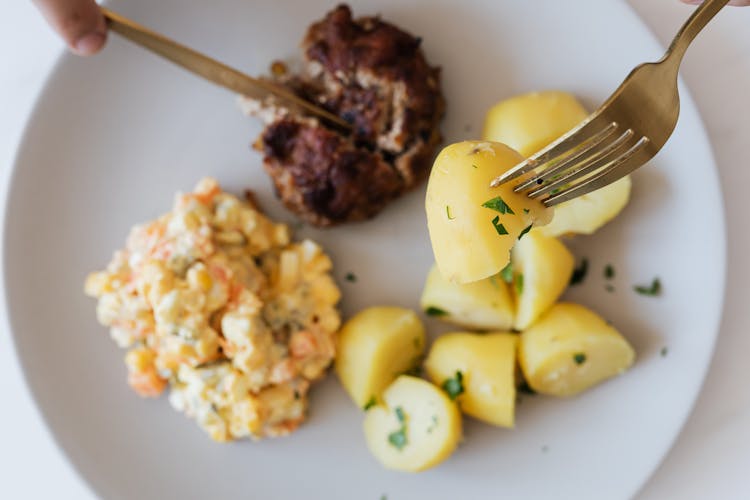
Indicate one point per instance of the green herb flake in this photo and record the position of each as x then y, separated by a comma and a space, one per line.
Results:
499, 227
398, 438
435, 311
652, 291
519, 284
383, 497
448, 212
370, 403
579, 273
454, 386
474, 166
416, 342
526, 210
664, 352
351, 277
296, 395
507, 273
609, 271
526, 230
579, 358
498, 205
433, 425
400, 415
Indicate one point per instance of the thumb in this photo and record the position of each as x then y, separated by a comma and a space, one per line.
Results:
79, 22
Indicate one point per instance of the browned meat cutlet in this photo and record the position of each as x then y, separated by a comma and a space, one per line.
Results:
374, 75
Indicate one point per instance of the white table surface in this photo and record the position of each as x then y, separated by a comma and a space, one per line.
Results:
711, 458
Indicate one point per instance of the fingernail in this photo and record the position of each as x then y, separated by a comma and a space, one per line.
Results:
89, 44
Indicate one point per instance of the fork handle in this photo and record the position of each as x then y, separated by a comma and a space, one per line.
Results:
700, 18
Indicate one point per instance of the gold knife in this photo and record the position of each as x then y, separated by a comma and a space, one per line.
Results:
213, 70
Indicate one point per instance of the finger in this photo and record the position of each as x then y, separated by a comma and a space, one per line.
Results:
738, 3
79, 22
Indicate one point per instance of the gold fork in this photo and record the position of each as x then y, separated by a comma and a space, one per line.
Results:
624, 133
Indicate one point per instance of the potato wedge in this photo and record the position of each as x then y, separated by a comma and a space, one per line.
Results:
528, 123
416, 427
485, 304
571, 349
483, 366
472, 226
375, 346
542, 267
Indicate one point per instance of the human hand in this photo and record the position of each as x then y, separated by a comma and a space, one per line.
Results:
79, 22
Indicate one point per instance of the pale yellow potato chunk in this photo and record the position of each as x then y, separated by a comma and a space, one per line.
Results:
472, 241
487, 366
530, 122
375, 346
587, 213
542, 267
571, 349
485, 304
416, 427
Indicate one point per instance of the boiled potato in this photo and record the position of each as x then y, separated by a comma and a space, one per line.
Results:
530, 122
541, 267
482, 367
485, 304
415, 427
571, 349
375, 346
587, 213
472, 226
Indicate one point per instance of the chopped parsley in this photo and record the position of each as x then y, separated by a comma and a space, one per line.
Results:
435, 311
507, 273
519, 284
498, 205
398, 438
296, 395
370, 403
653, 290
351, 277
400, 415
448, 212
609, 271
499, 227
664, 352
433, 424
454, 386
579, 358
525, 210
526, 230
474, 166
579, 273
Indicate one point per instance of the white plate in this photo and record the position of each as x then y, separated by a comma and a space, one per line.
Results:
113, 137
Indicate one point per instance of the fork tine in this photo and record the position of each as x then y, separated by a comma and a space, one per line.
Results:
569, 159
621, 166
587, 129
585, 167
